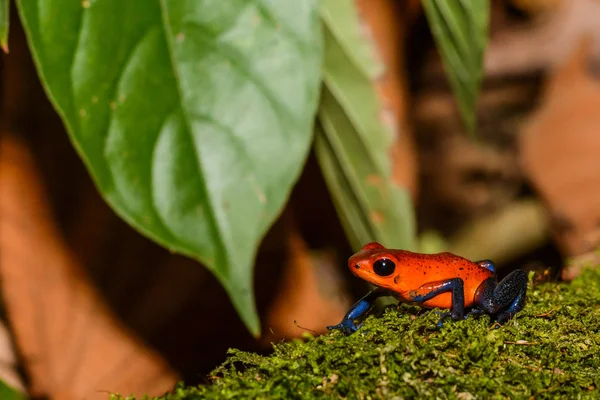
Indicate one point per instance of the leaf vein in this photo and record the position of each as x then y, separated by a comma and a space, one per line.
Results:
118, 81
221, 247
238, 62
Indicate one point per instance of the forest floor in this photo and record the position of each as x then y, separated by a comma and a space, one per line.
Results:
550, 350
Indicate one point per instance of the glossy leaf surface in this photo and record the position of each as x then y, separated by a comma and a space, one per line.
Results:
193, 117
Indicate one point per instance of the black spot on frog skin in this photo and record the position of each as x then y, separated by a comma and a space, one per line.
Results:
357, 266
396, 279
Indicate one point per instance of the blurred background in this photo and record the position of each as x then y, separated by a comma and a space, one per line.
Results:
91, 305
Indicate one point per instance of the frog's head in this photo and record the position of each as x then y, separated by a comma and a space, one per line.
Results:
376, 265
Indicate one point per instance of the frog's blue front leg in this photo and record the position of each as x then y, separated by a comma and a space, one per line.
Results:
432, 289
360, 308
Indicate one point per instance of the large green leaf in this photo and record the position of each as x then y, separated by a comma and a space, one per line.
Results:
460, 29
4, 24
194, 117
352, 144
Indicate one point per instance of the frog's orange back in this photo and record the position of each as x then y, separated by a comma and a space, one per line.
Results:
414, 270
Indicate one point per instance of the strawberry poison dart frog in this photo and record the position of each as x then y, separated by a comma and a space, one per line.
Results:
441, 280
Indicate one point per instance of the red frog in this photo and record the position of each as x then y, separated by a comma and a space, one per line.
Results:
442, 280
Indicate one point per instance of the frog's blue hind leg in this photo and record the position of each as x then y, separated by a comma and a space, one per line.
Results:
503, 299
360, 308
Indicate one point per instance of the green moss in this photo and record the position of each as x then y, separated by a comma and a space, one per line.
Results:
551, 350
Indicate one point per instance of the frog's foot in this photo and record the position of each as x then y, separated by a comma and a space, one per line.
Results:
444, 315
359, 309
474, 311
347, 325
431, 289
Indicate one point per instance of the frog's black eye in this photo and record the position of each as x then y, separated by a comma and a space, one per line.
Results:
384, 267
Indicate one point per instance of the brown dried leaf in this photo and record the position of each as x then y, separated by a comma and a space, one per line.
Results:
559, 149
71, 344
387, 22
545, 42
310, 295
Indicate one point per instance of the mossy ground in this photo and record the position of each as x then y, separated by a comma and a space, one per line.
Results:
551, 350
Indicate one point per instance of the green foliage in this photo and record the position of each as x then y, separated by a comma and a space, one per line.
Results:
460, 29
351, 142
551, 350
4, 23
193, 117
9, 393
